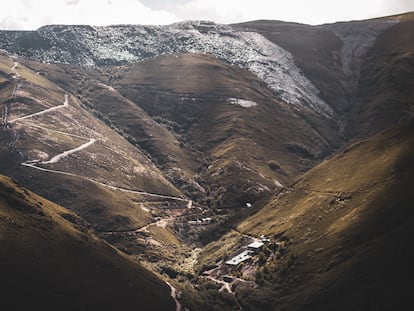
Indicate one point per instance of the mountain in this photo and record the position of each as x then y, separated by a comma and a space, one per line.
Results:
343, 233
345, 61
183, 144
173, 131
45, 128
50, 259
320, 87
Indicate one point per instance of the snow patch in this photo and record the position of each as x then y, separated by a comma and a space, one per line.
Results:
242, 102
108, 87
40, 154
130, 43
277, 183
144, 208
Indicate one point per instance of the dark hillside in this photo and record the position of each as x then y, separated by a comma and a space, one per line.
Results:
49, 260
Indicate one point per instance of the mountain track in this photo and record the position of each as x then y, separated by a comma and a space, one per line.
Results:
34, 164
65, 104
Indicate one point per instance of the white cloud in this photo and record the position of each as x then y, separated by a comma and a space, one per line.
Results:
31, 14
304, 11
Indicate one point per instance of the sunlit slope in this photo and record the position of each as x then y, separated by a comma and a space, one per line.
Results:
54, 146
49, 260
231, 123
349, 222
216, 131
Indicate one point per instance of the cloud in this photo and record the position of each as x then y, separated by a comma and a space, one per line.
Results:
305, 11
163, 4
71, 2
399, 6
31, 14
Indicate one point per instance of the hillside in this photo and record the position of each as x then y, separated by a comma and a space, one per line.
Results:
300, 93
343, 233
363, 69
205, 123
257, 166
56, 147
50, 260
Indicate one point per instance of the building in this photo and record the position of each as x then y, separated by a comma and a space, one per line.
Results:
202, 221
239, 258
255, 246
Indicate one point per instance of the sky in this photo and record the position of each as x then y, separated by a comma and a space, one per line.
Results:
32, 14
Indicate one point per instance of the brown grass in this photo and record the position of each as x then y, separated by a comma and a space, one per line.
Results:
51, 263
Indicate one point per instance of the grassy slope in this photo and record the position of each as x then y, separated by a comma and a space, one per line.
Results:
232, 145
111, 159
350, 224
176, 109
50, 263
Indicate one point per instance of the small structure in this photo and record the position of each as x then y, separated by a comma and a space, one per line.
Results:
201, 222
264, 239
238, 259
255, 246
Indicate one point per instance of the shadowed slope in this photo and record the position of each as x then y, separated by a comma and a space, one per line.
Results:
50, 261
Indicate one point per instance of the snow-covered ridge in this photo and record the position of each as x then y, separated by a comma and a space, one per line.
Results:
86, 45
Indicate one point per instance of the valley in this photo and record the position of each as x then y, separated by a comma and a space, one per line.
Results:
255, 166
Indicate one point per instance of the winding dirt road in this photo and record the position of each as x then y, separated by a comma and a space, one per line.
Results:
174, 295
34, 163
62, 155
65, 104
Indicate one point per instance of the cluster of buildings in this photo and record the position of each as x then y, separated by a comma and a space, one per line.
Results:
252, 249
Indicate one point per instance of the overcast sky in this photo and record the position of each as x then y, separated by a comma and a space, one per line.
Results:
31, 14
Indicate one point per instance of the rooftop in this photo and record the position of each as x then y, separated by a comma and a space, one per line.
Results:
238, 259
255, 244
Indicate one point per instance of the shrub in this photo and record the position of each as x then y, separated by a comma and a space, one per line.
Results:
273, 165
171, 272
300, 150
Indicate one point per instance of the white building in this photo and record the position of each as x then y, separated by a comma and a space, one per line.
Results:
238, 259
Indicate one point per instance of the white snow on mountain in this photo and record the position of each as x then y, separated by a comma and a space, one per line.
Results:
130, 43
